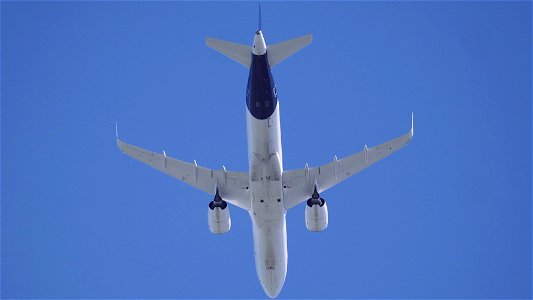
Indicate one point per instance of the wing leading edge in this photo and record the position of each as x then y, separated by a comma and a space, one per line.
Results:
233, 186
299, 184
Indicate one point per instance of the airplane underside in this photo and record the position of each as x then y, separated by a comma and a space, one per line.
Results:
266, 191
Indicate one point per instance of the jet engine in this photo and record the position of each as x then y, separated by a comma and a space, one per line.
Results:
218, 217
316, 213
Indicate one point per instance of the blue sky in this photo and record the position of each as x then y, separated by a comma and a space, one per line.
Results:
447, 217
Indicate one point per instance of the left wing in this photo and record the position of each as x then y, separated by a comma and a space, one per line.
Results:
299, 184
233, 186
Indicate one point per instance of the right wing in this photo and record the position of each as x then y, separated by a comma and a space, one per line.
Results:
299, 184
233, 186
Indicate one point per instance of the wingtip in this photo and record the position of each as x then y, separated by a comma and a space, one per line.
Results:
412, 124
120, 144
208, 41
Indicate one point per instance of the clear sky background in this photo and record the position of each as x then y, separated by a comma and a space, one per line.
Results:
447, 217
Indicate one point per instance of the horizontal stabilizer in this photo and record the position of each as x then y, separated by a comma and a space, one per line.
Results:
239, 53
281, 51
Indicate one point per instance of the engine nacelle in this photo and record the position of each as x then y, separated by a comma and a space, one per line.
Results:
316, 214
218, 217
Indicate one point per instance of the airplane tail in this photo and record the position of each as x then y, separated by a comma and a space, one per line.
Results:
243, 54
239, 53
281, 51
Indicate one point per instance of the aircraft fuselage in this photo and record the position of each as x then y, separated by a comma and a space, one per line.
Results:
265, 163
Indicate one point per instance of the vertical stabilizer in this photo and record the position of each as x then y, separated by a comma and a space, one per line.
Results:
259, 25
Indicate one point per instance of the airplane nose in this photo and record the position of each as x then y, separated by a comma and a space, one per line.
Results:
273, 292
271, 283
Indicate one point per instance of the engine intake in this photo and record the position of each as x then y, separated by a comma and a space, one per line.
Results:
316, 213
218, 217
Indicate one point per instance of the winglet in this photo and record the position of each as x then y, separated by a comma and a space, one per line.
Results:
412, 124
120, 144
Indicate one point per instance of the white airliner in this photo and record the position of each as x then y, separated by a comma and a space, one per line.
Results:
266, 191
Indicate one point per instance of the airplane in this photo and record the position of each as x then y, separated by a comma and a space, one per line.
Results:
266, 191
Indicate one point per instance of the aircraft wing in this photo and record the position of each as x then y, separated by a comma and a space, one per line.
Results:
233, 186
299, 184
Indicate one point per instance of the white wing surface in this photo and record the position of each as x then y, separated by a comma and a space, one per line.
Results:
233, 186
299, 184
